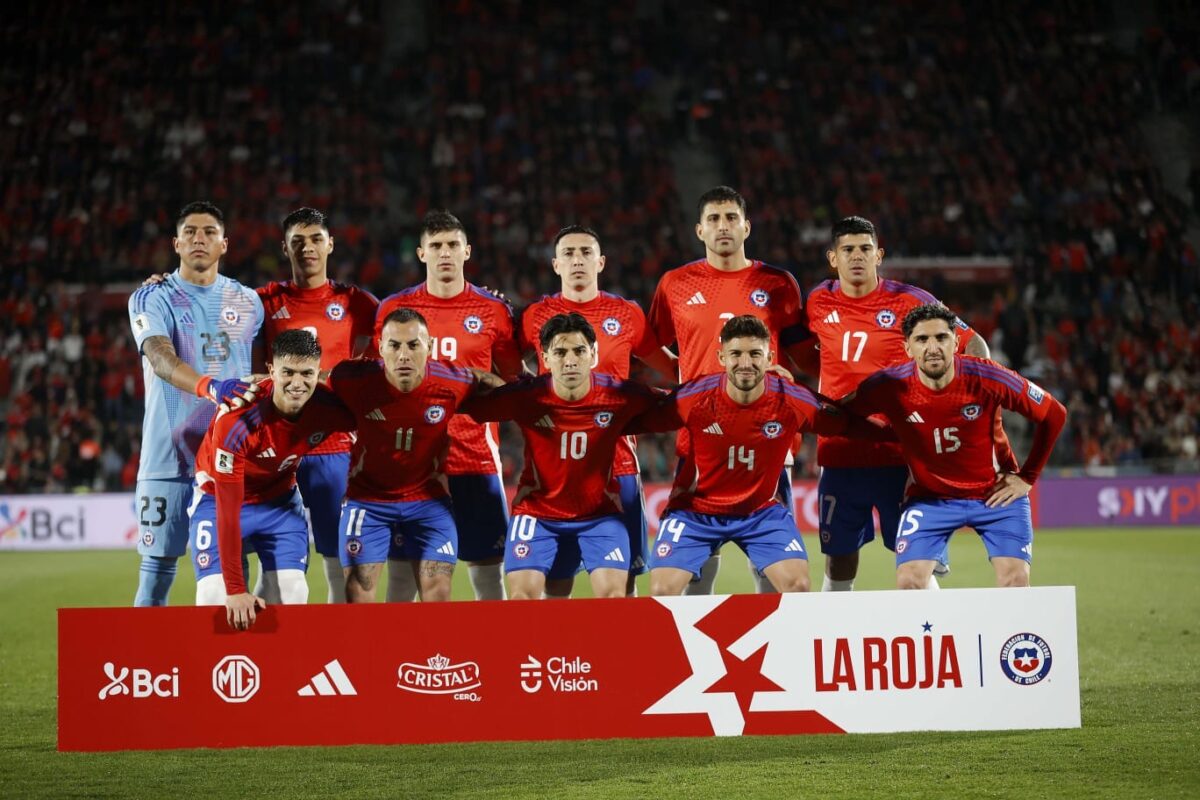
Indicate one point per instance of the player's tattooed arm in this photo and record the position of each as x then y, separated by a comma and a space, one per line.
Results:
168, 366
977, 347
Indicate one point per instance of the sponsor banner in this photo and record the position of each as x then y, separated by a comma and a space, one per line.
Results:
1091, 502
968, 659
67, 521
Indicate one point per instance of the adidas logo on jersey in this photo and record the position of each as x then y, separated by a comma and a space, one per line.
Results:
696, 300
715, 428
914, 417
377, 415
329, 682
833, 318
615, 555
794, 546
268, 453
544, 422
281, 314
447, 549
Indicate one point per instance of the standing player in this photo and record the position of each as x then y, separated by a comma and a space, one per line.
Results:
855, 319
942, 407
693, 302
342, 317
568, 497
621, 331
727, 487
246, 480
194, 329
397, 503
470, 328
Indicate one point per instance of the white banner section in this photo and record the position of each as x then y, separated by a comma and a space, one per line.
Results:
67, 521
879, 662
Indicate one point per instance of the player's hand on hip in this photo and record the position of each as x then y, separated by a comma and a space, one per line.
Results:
240, 610
1007, 488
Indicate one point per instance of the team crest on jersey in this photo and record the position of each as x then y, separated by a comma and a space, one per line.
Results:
229, 315
760, 298
971, 411
885, 318
1035, 392
521, 550
473, 324
1025, 659
335, 311
203, 560
148, 538
603, 418
434, 414
316, 438
772, 429
611, 326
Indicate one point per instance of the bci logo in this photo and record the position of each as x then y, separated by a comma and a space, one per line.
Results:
139, 683
40, 524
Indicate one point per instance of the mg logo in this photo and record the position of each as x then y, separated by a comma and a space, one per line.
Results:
235, 679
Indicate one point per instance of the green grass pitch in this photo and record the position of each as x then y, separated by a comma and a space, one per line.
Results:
1139, 634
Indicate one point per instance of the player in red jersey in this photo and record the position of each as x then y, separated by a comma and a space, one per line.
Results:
741, 423
568, 498
470, 328
692, 302
397, 503
941, 406
246, 484
622, 334
855, 318
342, 317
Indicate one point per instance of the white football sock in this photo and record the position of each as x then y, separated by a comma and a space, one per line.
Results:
210, 591
335, 576
487, 581
293, 587
830, 585
402, 584
708, 577
933, 583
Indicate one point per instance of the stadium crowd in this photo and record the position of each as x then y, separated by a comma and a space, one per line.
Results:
1018, 139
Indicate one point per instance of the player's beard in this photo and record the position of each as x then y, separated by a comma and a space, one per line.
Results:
936, 370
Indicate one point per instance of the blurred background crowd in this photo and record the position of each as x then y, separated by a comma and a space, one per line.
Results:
1060, 146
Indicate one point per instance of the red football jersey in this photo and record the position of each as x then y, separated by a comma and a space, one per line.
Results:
569, 445
621, 334
403, 437
737, 451
336, 313
860, 336
693, 302
250, 455
947, 435
474, 329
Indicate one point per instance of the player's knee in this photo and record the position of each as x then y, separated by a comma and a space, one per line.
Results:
1013, 577
842, 567
911, 579
796, 583
666, 585
293, 587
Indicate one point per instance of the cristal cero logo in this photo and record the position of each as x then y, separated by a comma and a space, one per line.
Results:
438, 676
236, 679
1025, 659
138, 683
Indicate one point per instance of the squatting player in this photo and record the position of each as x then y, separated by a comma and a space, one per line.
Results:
194, 329
621, 334
568, 498
856, 318
941, 406
246, 479
693, 302
470, 328
741, 423
397, 505
342, 317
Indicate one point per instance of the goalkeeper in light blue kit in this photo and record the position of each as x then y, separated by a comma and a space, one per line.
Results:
195, 331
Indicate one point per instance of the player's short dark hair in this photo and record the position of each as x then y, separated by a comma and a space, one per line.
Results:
927, 312
566, 323
403, 315
849, 226
305, 216
297, 343
570, 229
200, 207
440, 220
746, 326
720, 194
